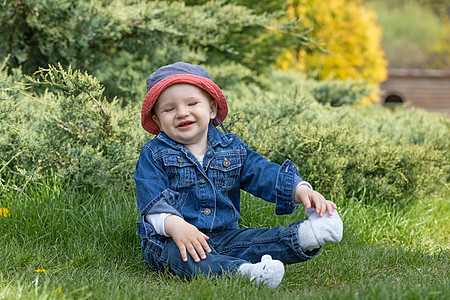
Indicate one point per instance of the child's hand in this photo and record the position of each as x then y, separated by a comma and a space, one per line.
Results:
311, 198
187, 237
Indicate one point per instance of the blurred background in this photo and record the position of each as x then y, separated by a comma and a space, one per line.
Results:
416, 39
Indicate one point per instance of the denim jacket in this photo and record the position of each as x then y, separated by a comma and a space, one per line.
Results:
169, 179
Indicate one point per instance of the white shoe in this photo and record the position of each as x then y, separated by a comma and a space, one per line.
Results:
268, 272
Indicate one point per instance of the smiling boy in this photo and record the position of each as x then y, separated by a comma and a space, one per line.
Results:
188, 182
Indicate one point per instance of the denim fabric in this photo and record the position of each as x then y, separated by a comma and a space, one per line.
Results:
169, 179
229, 250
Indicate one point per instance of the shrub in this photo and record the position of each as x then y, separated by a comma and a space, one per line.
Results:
72, 131
11, 145
365, 152
368, 152
329, 93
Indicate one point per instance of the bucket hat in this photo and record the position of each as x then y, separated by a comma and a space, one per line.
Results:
179, 72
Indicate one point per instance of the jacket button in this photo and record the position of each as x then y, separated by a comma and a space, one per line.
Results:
207, 211
202, 180
226, 163
180, 160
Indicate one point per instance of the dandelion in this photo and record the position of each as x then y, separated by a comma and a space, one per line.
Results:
58, 290
4, 212
41, 271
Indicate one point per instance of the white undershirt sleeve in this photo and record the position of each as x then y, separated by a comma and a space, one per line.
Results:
304, 183
157, 221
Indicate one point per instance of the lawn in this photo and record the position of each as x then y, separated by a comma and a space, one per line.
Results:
60, 242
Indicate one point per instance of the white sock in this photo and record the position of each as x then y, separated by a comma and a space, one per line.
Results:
268, 272
317, 231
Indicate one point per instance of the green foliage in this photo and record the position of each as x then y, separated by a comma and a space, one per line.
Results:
329, 93
69, 130
366, 152
421, 27
122, 42
337, 93
11, 90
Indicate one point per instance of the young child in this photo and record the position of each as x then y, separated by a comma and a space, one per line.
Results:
188, 182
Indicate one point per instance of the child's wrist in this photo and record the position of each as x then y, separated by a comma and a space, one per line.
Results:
170, 223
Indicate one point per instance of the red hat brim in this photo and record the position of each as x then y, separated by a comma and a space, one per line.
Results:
199, 81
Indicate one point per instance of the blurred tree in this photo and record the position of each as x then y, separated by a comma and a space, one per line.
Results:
439, 52
416, 33
440, 7
349, 34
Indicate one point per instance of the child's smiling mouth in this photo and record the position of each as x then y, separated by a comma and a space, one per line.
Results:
185, 124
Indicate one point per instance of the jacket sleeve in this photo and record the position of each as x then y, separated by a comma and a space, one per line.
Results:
269, 181
153, 194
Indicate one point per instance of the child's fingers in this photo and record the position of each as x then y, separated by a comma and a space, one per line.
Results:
306, 202
320, 204
200, 251
204, 236
192, 250
196, 250
330, 207
183, 253
205, 243
320, 208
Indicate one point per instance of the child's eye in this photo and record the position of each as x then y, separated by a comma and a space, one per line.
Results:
167, 109
192, 103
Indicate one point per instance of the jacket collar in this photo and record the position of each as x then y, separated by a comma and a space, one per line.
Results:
215, 137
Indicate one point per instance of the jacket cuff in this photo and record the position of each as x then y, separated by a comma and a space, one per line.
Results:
287, 180
163, 207
146, 229
164, 199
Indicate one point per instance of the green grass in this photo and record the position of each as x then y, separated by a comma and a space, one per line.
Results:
87, 244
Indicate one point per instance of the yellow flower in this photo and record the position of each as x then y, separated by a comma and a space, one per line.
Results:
41, 271
58, 290
4, 212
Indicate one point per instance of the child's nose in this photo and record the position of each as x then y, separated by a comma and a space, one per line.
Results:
182, 112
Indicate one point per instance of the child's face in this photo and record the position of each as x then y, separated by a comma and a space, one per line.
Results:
183, 112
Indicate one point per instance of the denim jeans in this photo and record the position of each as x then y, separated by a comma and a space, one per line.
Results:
229, 250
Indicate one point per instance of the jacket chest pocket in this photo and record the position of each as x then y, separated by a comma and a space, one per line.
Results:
181, 172
225, 171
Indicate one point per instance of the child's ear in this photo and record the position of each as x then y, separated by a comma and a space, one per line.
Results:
213, 113
155, 118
